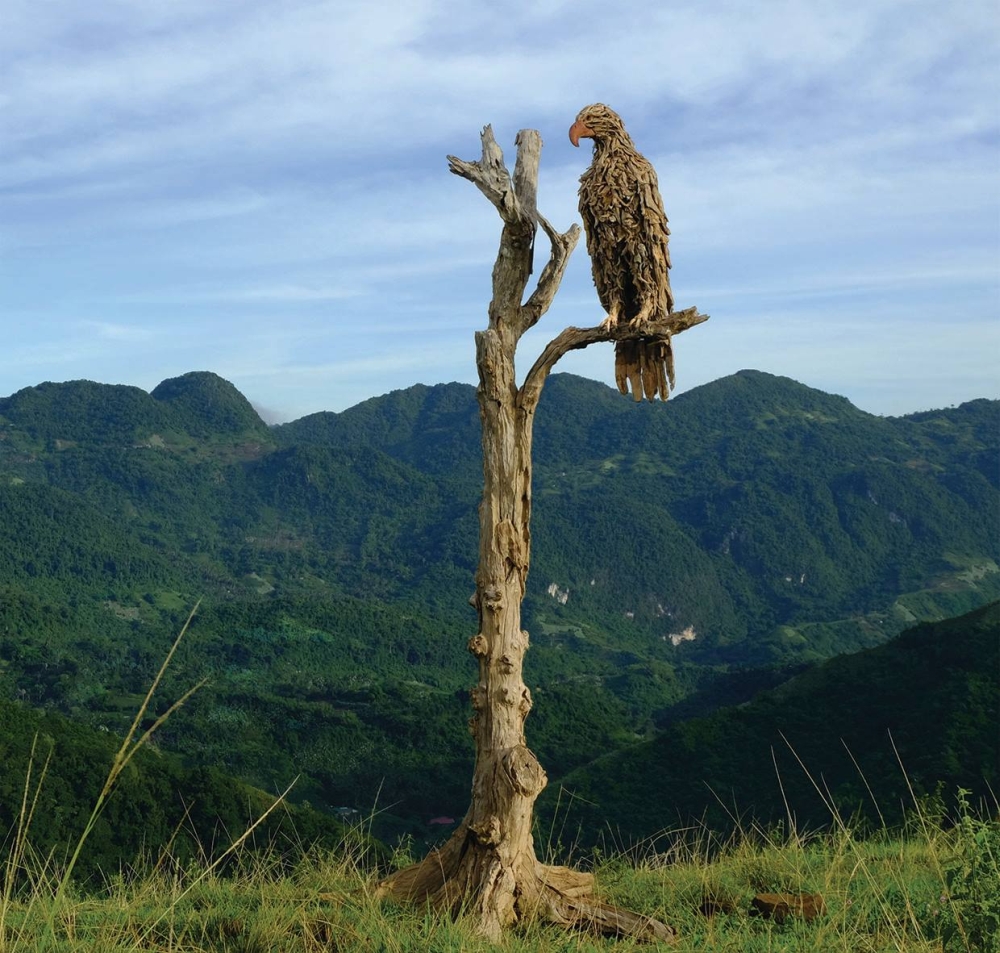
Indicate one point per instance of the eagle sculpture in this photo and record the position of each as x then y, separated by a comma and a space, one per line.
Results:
627, 238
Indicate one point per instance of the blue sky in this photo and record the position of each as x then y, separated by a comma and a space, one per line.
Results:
260, 188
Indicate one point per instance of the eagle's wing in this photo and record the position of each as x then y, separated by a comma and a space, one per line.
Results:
602, 226
652, 242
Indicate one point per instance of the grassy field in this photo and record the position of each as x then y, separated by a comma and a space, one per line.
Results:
935, 887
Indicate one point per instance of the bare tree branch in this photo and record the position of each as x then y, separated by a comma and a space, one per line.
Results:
490, 176
515, 199
562, 245
529, 156
572, 339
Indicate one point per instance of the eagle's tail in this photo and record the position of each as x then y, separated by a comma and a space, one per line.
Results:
646, 365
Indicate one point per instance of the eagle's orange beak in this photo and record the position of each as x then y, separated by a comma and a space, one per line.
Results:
580, 130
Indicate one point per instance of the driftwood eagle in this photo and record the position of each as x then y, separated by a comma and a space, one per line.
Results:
627, 238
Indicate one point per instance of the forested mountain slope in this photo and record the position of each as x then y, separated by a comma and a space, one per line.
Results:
738, 512
752, 522
865, 732
57, 769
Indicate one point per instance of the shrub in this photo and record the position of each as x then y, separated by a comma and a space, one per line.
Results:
971, 916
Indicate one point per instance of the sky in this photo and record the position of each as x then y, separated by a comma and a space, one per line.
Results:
259, 188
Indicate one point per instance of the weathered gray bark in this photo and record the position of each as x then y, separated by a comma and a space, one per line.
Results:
488, 870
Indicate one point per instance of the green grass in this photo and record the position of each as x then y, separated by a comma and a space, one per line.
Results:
888, 892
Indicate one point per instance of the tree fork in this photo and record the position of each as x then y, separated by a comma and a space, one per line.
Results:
488, 871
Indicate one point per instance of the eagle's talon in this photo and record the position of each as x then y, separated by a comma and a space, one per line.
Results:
644, 315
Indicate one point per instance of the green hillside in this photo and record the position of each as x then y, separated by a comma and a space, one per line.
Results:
686, 555
864, 732
741, 512
61, 767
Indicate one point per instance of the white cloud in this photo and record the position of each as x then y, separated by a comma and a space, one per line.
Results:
118, 332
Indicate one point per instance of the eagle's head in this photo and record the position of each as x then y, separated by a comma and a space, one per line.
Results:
598, 122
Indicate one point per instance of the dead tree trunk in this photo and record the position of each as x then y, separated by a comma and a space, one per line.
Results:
488, 871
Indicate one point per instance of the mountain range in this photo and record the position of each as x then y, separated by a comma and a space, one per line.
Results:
686, 556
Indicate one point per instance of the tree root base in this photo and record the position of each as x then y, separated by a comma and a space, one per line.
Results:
469, 879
